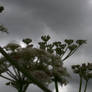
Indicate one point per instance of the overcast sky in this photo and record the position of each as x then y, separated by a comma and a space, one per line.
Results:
59, 18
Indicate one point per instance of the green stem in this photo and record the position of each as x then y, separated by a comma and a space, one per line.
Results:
25, 88
19, 90
21, 87
56, 85
86, 86
80, 84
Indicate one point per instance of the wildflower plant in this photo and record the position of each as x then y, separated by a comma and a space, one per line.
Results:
85, 72
4, 65
45, 63
40, 63
62, 50
15, 77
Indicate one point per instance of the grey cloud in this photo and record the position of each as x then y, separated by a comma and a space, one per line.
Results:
58, 15
61, 16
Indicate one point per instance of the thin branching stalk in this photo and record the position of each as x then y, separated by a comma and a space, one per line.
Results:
25, 88
86, 86
80, 84
5, 78
56, 85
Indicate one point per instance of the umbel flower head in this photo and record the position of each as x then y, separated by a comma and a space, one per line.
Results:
84, 70
27, 41
1, 9
3, 29
41, 64
12, 46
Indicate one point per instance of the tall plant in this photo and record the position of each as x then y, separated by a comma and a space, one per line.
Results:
11, 61
85, 72
38, 62
15, 77
63, 50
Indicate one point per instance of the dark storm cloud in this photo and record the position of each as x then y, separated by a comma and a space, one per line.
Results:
60, 15
68, 17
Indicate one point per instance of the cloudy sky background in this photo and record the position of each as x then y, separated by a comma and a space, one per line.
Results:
60, 19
